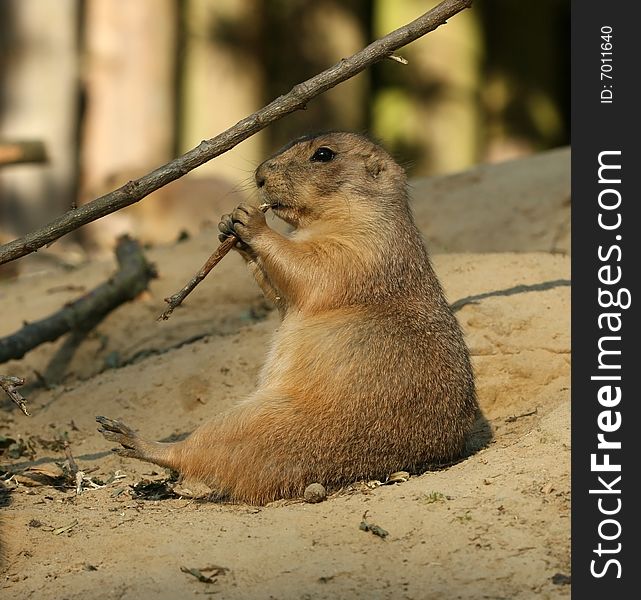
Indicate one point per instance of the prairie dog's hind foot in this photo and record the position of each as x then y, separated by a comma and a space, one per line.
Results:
117, 431
133, 446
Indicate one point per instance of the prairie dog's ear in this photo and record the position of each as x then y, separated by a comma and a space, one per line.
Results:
374, 165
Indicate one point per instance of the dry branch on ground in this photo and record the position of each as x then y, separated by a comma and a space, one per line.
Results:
132, 277
10, 384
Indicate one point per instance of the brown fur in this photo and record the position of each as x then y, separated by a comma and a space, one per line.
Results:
368, 373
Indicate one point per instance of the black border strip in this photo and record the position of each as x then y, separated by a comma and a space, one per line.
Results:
605, 250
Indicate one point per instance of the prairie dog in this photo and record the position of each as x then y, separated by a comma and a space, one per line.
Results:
368, 373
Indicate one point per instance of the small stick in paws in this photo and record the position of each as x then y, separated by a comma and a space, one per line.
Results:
225, 246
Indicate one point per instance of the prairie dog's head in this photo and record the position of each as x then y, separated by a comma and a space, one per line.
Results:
328, 175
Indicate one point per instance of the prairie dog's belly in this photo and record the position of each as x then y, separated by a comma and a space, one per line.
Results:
303, 340
350, 352
306, 348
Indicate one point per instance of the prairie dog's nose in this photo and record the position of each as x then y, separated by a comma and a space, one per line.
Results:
262, 172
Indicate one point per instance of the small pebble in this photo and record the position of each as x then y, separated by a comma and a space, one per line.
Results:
314, 493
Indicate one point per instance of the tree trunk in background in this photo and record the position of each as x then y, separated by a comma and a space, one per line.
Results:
161, 75
526, 90
429, 111
129, 82
129, 123
221, 81
39, 101
299, 40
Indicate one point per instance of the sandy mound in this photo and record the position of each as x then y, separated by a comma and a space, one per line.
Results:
517, 206
495, 525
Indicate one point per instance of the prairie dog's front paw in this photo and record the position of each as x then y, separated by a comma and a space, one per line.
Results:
248, 222
226, 228
245, 222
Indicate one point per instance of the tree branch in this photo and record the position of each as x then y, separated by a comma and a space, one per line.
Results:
296, 99
132, 277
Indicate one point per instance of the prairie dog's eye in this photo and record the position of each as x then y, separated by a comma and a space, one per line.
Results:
323, 154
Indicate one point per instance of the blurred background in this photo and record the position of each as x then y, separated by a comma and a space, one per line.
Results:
110, 89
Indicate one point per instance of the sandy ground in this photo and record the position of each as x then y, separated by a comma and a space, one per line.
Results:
494, 526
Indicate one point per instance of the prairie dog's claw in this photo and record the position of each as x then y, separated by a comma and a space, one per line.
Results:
117, 431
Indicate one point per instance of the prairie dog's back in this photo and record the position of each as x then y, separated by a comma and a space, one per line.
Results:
371, 331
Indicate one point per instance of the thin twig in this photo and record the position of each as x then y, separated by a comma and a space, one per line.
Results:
175, 299
72, 471
398, 59
9, 384
71, 461
223, 248
131, 279
296, 99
